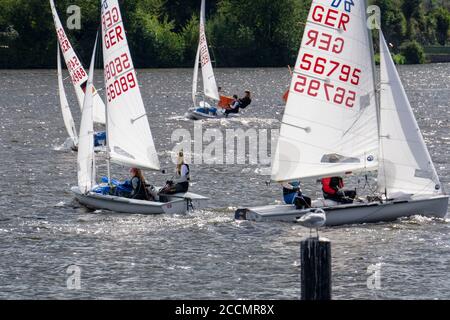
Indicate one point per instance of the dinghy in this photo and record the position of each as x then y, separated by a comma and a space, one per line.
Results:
334, 125
129, 139
78, 78
202, 110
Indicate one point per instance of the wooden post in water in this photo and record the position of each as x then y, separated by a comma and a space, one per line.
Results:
315, 259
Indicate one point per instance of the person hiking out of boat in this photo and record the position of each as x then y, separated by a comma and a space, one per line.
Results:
333, 189
182, 177
139, 187
234, 106
246, 100
240, 103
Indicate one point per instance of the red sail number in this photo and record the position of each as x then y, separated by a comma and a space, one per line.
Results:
322, 66
336, 95
117, 66
121, 85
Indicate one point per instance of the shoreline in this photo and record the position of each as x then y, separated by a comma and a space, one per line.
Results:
447, 57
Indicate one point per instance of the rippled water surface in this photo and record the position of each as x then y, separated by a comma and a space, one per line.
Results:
205, 254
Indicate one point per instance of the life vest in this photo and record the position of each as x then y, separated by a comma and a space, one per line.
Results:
244, 102
188, 174
140, 192
187, 177
332, 185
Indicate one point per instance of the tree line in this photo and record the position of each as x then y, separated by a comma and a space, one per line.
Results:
164, 33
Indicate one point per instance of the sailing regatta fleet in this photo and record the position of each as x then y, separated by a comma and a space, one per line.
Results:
336, 122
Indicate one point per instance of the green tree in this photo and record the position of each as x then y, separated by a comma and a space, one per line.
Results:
413, 52
393, 21
442, 17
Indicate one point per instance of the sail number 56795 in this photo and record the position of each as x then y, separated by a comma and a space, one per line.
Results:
333, 94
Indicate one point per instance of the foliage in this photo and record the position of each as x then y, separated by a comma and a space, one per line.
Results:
413, 52
164, 33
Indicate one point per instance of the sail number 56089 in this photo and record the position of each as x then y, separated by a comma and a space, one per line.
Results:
121, 85
332, 93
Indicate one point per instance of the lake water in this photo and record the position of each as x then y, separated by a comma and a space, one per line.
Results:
205, 254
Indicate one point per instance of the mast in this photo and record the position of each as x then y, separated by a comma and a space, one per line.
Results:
372, 57
108, 150
376, 91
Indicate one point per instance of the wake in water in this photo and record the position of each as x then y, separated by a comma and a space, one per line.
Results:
66, 146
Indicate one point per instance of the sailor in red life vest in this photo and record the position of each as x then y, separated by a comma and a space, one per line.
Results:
332, 188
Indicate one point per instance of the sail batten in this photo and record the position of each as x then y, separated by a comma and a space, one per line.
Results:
78, 74
406, 164
130, 141
330, 122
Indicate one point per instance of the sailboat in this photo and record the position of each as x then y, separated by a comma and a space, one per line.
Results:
202, 110
129, 138
334, 125
79, 79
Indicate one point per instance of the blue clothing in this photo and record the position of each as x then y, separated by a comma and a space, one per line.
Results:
289, 198
289, 195
201, 110
100, 139
210, 110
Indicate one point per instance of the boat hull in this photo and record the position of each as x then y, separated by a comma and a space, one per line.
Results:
353, 213
195, 115
177, 204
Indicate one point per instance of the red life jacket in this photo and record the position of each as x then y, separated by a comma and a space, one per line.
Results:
332, 185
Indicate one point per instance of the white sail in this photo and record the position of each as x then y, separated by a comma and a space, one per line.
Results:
86, 157
195, 78
77, 73
405, 163
209, 80
67, 114
130, 140
330, 123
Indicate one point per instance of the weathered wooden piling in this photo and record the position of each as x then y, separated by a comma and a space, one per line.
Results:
315, 259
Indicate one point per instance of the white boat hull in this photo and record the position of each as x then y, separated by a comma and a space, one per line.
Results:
195, 115
353, 213
177, 204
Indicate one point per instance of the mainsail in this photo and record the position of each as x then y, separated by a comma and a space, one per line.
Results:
130, 140
86, 157
209, 80
405, 163
330, 123
67, 114
77, 73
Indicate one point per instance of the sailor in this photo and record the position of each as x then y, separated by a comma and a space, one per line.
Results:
234, 106
246, 100
138, 185
292, 194
333, 189
182, 178
290, 190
